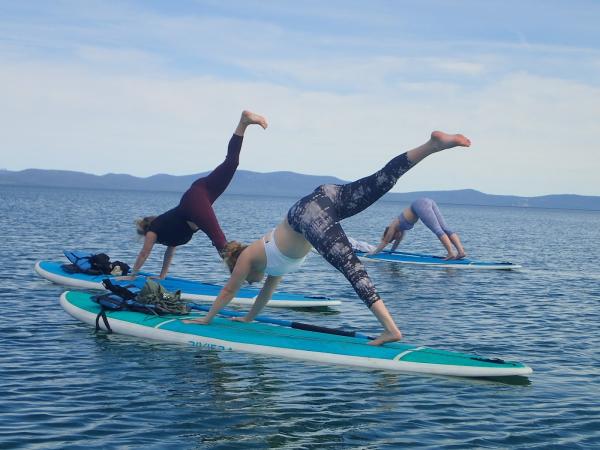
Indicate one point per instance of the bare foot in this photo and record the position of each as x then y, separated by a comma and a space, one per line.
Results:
386, 336
249, 118
200, 321
450, 257
443, 141
461, 255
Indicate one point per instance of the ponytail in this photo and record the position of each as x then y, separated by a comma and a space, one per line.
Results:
142, 226
231, 252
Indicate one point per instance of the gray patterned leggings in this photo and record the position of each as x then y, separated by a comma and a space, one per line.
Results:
317, 218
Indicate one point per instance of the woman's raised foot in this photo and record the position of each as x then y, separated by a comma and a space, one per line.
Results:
249, 118
443, 140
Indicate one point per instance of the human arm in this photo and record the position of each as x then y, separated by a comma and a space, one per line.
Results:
228, 292
383, 244
388, 236
397, 241
149, 241
262, 299
169, 252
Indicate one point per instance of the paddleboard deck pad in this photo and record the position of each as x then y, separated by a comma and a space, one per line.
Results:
190, 290
266, 339
438, 261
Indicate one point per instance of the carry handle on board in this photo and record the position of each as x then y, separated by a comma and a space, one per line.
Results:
287, 323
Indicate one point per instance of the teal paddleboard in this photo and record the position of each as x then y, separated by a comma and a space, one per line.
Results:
274, 340
190, 290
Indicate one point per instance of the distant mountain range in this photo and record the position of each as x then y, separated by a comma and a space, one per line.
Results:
284, 184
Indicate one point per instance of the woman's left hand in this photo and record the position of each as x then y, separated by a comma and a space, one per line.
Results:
241, 319
126, 278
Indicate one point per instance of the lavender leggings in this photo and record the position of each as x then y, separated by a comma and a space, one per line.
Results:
317, 218
427, 210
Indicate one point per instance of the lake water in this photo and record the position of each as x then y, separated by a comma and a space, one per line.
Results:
62, 386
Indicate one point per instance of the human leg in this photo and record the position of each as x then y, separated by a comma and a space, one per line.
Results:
250, 118
452, 236
196, 205
354, 197
337, 251
440, 219
423, 209
315, 219
217, 181
455, 239
438, 141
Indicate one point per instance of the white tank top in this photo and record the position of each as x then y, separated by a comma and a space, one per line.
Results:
277, 263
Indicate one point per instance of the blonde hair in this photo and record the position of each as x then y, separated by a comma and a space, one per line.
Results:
142, 226
231, 252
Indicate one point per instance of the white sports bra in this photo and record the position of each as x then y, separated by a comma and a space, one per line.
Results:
277, 263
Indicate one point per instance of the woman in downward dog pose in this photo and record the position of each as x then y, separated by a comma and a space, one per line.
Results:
194, 212
313, 221
429, 213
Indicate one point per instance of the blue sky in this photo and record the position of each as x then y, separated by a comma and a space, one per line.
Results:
145, 87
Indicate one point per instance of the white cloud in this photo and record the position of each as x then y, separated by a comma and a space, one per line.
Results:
113, 87
459, 67
530, 134
122, 59
360, 74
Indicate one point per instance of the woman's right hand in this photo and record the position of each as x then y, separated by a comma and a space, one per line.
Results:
155, 277
126, 278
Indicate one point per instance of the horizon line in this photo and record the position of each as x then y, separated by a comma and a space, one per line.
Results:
274, 172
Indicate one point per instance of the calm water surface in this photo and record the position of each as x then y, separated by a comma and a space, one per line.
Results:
64, 387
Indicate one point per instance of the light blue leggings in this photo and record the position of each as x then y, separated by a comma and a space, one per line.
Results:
429, 213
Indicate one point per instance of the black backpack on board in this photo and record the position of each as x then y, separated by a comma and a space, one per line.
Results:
94, 264
151, 299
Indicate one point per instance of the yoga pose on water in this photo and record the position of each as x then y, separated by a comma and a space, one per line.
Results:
429, 213
194, 212
313, 221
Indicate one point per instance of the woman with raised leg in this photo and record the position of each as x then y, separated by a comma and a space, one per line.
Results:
194, 212
313, 221
427, 210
